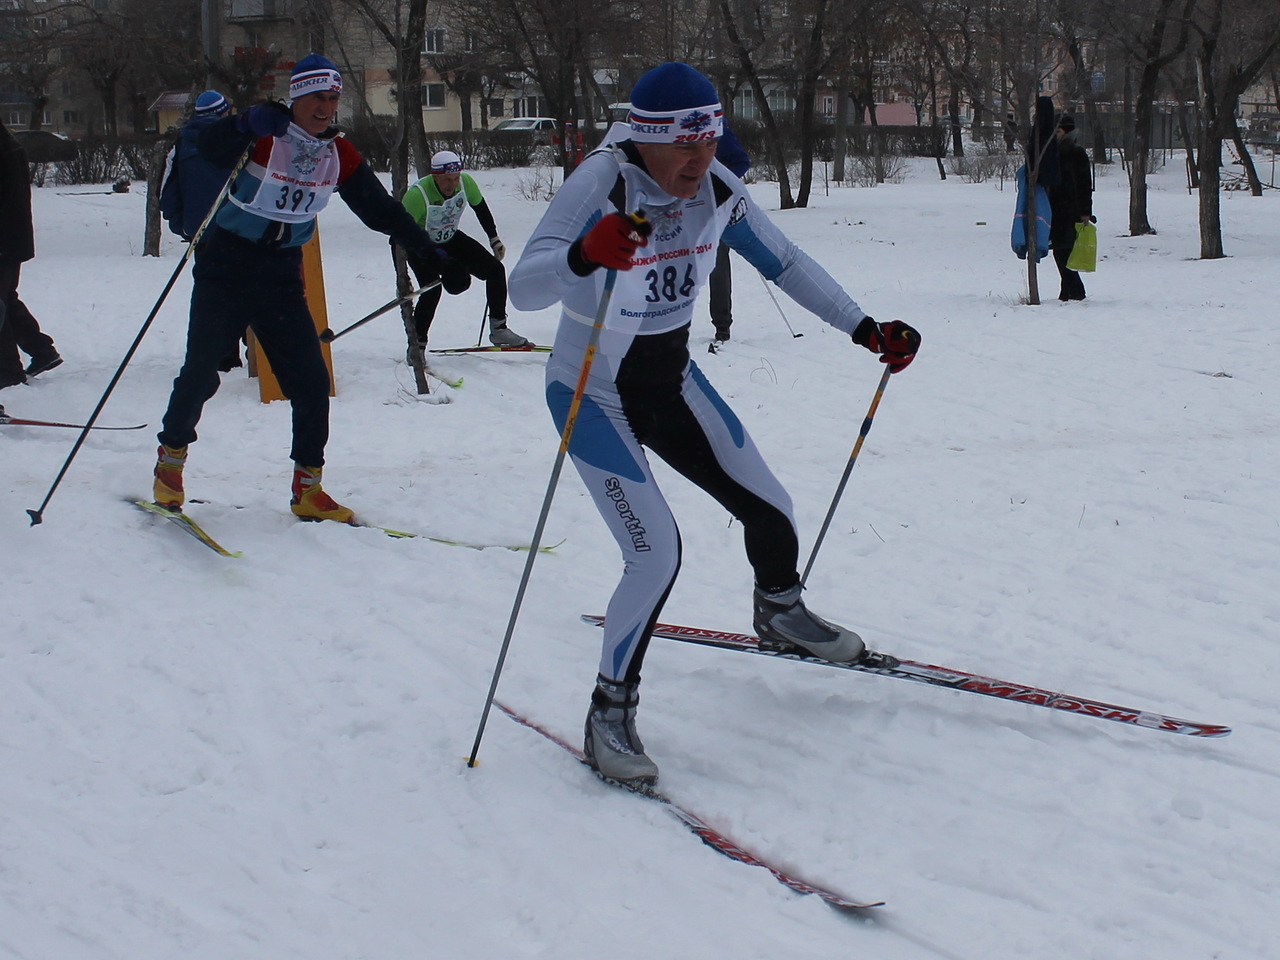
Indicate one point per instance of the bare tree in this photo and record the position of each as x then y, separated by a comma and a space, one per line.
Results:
1153, 34
130, 50
746, 38
28, 59
1232, 42
400, 25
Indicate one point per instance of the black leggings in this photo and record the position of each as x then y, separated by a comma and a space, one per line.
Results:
481, 264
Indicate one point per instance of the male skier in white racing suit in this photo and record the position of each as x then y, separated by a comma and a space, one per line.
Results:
644, 391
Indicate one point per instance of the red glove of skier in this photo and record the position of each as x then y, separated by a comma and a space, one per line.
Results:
895, 341
613, 241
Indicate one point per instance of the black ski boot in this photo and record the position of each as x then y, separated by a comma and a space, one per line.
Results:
782, 620
611, 744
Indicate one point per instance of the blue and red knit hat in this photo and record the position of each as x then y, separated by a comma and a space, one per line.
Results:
674, 103
313, 74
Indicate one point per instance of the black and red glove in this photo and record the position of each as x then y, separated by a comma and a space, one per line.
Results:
611, 243
895, 341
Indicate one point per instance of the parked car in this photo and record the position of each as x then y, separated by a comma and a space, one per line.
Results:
45, 146
542, 128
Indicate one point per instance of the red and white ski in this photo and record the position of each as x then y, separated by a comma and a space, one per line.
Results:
699, 827
8, 421
888, 666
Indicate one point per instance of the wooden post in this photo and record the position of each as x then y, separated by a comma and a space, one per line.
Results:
313, 284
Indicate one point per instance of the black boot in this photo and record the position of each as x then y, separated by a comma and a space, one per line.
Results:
611, 744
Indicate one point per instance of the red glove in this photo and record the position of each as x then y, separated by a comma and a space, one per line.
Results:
613, 241
895, 341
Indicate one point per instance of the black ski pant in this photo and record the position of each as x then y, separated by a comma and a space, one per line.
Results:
480, 263
18, 328
720, 289
1072, 285
238, 283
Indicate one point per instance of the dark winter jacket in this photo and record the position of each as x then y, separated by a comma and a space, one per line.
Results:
359, 187
193, 182
17, 239
729, 152
1042, 156
1072, 198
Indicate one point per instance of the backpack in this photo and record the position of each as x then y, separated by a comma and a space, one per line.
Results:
171, 195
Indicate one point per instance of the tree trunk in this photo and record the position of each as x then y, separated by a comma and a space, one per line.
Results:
773, 138
1193, 166
1139, 154
152, 231
410, 68
839, 135
813, 67
1033, 276
957, 134
1210, 189
1246, 159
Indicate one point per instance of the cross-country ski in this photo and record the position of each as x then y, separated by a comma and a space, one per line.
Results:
700, 828
8, 421
885, 665
186, 525
490, 348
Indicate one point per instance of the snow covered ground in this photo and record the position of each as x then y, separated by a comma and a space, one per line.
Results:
263, 758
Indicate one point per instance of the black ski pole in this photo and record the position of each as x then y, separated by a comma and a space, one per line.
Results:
574, 406
328, 336
483, 319
769, 290
37, 515
848, 469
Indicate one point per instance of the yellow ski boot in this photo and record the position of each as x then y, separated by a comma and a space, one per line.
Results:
167, 490
310, 502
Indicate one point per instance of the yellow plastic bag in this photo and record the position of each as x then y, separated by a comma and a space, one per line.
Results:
1084, 255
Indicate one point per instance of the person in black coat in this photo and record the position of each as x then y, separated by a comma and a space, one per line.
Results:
1072, 203
720, 284
18, 328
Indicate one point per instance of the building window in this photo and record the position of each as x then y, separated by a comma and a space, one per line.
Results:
16, 118
497, 107
70, 117
433, 96
433, 42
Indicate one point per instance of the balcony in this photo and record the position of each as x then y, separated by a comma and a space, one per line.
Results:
247, 11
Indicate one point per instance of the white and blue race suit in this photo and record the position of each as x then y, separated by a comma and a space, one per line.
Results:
644, 391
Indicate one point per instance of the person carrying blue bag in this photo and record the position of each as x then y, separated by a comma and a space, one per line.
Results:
1042, 156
